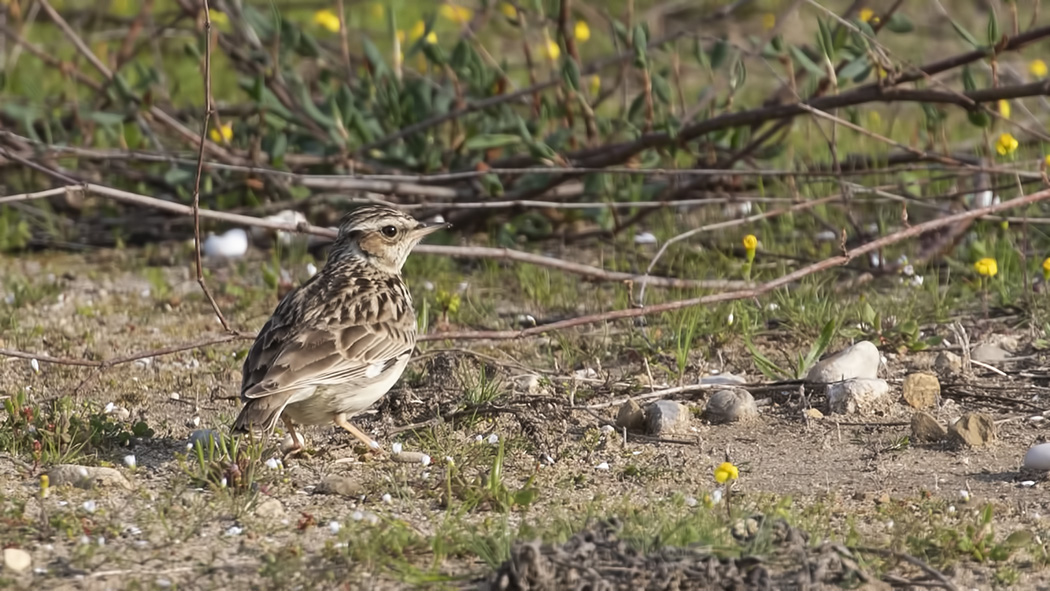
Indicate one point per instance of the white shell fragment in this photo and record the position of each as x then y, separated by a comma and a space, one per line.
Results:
232, 244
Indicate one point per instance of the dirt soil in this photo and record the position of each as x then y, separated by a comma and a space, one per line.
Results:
330, 518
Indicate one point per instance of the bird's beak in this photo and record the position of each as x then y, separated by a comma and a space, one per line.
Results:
423, 230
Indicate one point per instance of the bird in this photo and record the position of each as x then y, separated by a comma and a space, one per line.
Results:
340, 341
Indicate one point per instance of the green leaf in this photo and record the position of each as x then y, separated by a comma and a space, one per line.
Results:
661, 89
491, 140
817, 349
640, 42
700, 55
993, 29
570, 72
718, 54
764, 364
824, 40
965, 34
375, 58
969, 84
899, 23
804, 61
107, 119
855, 68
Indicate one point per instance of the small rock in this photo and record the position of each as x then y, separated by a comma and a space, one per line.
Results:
948, 363
1037, 458
730, 406
288, 445
989, 353
339, 485
858, 396
665, 417
926, 428
814, 413
974, 429
921, 390
269, 509
631, 416
206, 437
86, 476
859, 361
17, 559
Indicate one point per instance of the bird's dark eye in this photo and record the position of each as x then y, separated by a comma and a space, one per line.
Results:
389, 231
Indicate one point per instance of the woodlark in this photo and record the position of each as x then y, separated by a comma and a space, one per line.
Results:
340, 341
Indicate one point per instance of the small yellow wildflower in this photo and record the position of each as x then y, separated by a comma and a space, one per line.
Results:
769, 20
1046, 160
509, 11
595, 84
1006, 145
223, 134
45, 482
725, 472
1046, 269
327, 19
1004, 108
986, 267
1037, 68
457, 14
417, 32
583, 31
868, 15
552, 50
750, 242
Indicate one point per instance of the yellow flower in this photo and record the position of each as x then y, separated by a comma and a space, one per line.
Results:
1046, 269
457, 14
509, 11
583, 31
552, 50
725, 472
1046, 160
223, 134
1004, 108
45, 482
769, 20
595, 83
750, 242
1006, 145
1037, 68
868, 15
417, 32
327, 19
986, 267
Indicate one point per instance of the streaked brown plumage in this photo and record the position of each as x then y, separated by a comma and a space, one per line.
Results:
337, 344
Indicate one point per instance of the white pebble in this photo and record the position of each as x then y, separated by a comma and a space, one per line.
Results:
493, 439
964, 495
644, 238
110, 407
101, 541
35, 365
90, 506
233, 243
234, 531
273, 463
603, 466
716, 496
357, 516
396, 447
222, 483
1037, 458
334, 527
174, 396
690, 501
1027, 483
311, 269
129, 461
387, 498
425, 460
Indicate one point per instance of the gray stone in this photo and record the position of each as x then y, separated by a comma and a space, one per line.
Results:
206, 438
858, 396
989, 353
921, 390
948, 363
86, 476
270, 508
631, 416
973, 429
730, 406
861, 361
665, 417
339, 485
926, 428
17, 559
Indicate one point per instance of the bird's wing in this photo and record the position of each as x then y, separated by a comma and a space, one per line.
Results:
320, 356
